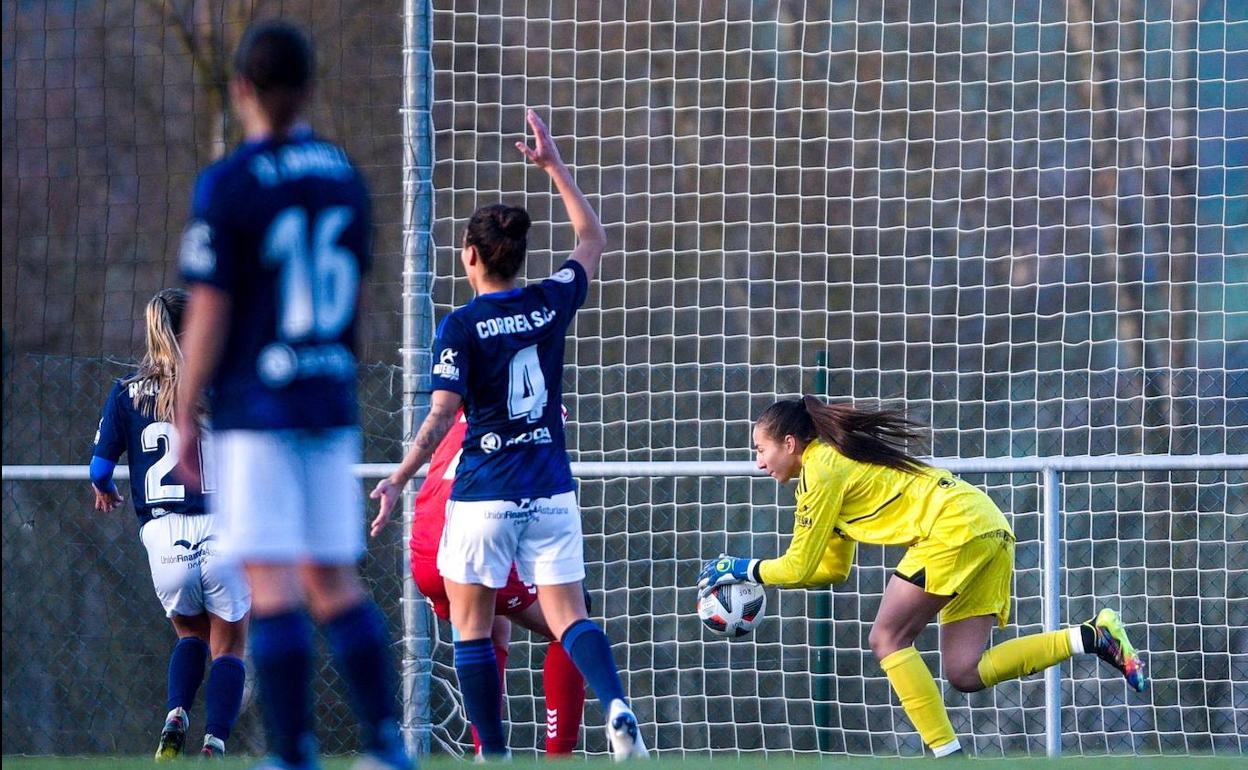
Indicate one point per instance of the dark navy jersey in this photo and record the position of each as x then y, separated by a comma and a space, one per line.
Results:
503, 352
282, 227
151, 446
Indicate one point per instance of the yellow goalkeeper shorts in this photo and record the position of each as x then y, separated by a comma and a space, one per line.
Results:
977, 574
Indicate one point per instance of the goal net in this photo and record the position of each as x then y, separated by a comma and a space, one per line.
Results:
1023, 221
1016, 219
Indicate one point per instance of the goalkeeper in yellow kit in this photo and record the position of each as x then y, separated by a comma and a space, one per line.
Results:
856, 484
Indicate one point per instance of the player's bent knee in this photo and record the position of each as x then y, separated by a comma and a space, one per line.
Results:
885, 641
964, 679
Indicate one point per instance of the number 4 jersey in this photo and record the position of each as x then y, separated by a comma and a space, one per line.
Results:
282, 227
153, 452
503, 353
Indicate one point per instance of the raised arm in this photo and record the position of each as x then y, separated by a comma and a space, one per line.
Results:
591, 238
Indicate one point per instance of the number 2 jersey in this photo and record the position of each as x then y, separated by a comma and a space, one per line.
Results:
282, 227
152, 448
503, 353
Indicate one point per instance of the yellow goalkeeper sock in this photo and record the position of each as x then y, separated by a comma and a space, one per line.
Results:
1025, 656
920, 697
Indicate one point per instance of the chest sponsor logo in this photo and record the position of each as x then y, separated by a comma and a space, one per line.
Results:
535, 436
445, 367
280, 364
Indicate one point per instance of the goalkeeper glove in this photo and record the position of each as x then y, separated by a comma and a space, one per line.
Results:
725, 570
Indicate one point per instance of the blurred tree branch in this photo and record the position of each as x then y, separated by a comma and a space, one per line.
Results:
209, 39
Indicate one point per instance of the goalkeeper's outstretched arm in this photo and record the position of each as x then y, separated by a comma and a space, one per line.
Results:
806, 562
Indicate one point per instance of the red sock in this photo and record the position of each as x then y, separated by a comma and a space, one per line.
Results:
565, 700
500, 653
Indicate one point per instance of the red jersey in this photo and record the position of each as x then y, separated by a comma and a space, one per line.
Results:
430, 513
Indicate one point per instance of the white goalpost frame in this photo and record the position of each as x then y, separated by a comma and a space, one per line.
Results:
1049, 469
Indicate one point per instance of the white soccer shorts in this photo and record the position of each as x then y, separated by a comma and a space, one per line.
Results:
188, 573
542, 536
290, 495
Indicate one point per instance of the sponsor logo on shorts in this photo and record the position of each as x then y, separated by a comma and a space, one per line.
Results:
997, 534
528, 512
195, 553
187, 543
490, 442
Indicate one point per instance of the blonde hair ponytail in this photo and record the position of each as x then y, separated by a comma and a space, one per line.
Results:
157, 377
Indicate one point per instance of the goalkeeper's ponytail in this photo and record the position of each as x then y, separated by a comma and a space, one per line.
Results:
880, 437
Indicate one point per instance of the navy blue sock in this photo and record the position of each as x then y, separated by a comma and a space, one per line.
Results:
590, 650
223, 696
477, 668
281, 651
360, 645
186, 671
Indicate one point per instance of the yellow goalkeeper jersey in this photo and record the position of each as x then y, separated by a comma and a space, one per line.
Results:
842, 501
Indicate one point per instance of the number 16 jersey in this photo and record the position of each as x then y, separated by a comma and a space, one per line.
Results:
281, 226
503, 353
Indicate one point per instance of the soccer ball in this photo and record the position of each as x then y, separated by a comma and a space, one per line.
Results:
733, 610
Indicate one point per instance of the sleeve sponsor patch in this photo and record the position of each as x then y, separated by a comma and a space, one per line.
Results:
446, 367
196, 255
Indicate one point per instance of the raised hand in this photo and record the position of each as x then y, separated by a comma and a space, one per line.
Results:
544, 154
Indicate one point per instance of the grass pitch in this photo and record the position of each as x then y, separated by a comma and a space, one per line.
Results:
14, 762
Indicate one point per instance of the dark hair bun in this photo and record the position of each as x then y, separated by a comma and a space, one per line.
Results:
514, 223
500, 235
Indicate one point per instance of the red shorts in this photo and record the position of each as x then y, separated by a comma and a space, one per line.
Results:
514, 597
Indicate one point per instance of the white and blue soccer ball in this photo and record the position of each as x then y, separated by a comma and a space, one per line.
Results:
733, 610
